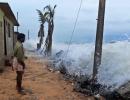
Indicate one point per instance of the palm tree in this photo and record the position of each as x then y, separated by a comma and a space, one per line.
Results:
42, 19
47, 16
50, 20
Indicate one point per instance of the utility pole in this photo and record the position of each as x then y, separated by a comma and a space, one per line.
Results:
99, 38
28, 35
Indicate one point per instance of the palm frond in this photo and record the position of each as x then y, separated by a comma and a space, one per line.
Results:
53, 11
46, 15
55, 6
41, 16
48, 7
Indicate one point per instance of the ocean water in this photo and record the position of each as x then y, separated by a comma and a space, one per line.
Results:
78, 60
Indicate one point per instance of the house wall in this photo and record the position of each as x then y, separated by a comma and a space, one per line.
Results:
1, 38
9, 38
15, 38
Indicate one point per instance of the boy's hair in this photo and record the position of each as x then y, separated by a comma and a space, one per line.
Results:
20, 36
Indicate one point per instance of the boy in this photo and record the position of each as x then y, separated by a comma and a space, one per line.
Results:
18, 62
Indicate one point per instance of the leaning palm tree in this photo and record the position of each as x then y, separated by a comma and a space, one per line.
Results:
42, 19
47, 16
50, 20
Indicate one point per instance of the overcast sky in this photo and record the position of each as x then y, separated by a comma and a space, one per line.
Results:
117, 18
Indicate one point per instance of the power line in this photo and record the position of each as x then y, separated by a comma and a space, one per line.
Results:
74, 28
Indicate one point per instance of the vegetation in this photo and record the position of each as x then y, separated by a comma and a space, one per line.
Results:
46, 16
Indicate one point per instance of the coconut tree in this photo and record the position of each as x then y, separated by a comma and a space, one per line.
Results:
42, 19
47, 16
50, 20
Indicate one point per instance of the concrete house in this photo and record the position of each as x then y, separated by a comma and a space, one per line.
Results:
7, 35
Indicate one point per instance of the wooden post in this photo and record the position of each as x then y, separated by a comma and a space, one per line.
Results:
99, 38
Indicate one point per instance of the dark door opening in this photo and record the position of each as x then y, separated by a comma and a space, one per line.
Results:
5, 46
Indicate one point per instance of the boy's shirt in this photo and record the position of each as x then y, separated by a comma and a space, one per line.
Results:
19, 51
18, 56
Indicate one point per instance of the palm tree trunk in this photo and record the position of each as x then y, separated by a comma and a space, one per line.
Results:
50, 32
50, 38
